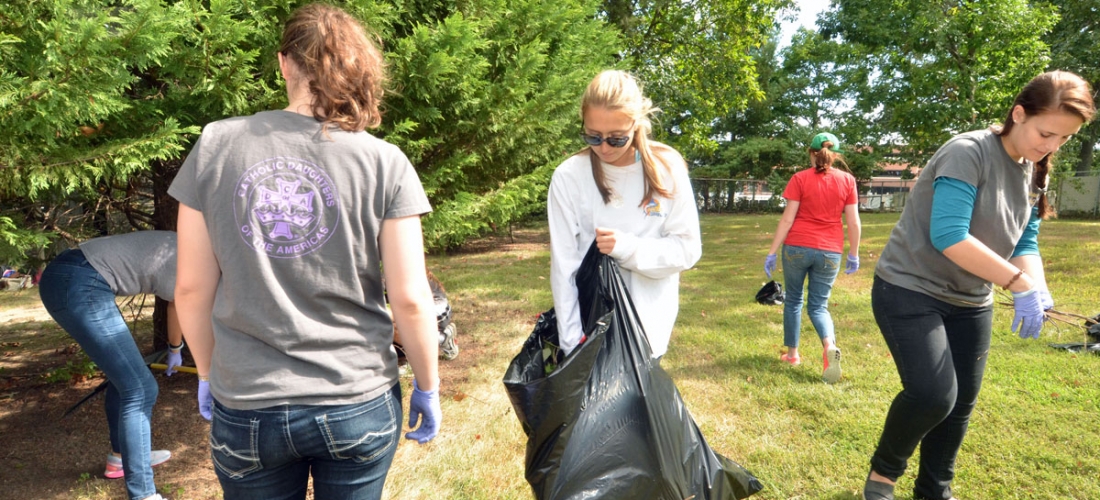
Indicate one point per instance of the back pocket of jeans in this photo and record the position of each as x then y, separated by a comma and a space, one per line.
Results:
233, 444
361, 433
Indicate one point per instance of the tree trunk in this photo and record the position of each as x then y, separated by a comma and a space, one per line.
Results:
1088, 138
165, 209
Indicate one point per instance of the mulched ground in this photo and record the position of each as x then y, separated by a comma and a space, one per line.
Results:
43, 455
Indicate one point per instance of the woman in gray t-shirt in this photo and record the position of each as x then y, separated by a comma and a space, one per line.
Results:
78, 289
971, 223
286, 219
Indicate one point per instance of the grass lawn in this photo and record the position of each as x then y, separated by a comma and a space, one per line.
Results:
1033, 435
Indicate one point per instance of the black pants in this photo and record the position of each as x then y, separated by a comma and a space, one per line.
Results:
940, 351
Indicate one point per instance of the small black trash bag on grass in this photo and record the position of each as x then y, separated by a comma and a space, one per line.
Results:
771, 294
609, 423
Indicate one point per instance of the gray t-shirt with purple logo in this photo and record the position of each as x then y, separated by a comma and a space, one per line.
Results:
135, 263
294, 216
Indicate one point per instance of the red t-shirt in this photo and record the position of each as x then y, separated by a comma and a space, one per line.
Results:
822, 198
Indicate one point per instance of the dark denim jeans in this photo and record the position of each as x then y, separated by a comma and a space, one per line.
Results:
82, 302
821, 267
270, 453
940, 351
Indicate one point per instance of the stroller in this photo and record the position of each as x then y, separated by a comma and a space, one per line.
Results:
448, 347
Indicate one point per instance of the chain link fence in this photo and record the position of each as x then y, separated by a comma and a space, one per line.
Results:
735, 196
1078, 196
747, 196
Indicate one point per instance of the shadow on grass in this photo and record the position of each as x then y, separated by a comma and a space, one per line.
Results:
757, 367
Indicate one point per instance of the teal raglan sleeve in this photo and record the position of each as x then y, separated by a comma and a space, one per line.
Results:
1029, 241
952, 207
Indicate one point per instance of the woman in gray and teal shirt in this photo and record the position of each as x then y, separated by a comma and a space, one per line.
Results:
971, 224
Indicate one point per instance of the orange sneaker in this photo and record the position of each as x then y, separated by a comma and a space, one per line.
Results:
831, 360
794, 361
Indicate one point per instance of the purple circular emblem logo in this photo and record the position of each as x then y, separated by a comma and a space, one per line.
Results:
286, 207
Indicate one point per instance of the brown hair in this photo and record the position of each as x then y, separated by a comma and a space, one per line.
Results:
344, 66
1053, 91
823, 158
616, 90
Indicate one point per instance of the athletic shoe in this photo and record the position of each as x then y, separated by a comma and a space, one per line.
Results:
831, 358
114, 464
794, 361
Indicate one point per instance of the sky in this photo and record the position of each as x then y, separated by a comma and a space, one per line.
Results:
807, 15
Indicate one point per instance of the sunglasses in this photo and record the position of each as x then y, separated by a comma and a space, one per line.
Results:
595, 140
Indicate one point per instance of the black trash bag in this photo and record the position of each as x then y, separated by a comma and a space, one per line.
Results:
1094, 330
1078, 347
608, 422
771, 294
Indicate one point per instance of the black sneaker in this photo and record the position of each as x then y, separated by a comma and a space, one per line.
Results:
875, 490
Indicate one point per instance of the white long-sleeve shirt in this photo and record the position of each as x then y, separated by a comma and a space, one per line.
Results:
657, 241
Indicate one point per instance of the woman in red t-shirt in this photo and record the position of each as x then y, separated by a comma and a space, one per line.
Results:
812, 235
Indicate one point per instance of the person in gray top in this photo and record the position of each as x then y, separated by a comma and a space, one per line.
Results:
78, 289
972, 222
286, 220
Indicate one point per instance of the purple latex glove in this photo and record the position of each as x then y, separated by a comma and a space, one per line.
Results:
769, 265
853, 264
424, 407
1029, 313
206, 401
1046, 299
175, 358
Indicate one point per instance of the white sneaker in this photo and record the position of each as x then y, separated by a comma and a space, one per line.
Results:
831, 358
114, 464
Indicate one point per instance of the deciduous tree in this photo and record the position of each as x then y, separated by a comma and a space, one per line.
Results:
939, 68
695, 57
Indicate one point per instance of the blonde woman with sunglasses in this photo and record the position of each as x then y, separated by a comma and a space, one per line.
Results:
632, 196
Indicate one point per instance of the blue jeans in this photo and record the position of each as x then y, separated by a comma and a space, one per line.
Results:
82, 302
822, 268
940, 351
269, 454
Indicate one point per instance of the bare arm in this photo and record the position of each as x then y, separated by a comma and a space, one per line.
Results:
402, 245
785, 223
973, 256
175, 333
1032, 265
197, 275
855, 228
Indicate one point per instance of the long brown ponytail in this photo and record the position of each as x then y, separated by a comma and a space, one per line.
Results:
345, 67
823, 158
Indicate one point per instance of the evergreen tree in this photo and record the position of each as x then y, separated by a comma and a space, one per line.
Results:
487, 104
101, 99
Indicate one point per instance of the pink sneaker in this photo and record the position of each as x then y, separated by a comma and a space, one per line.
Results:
794, 361
114, 464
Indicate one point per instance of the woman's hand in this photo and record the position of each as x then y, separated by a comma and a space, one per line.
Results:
853, 264
605, 239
